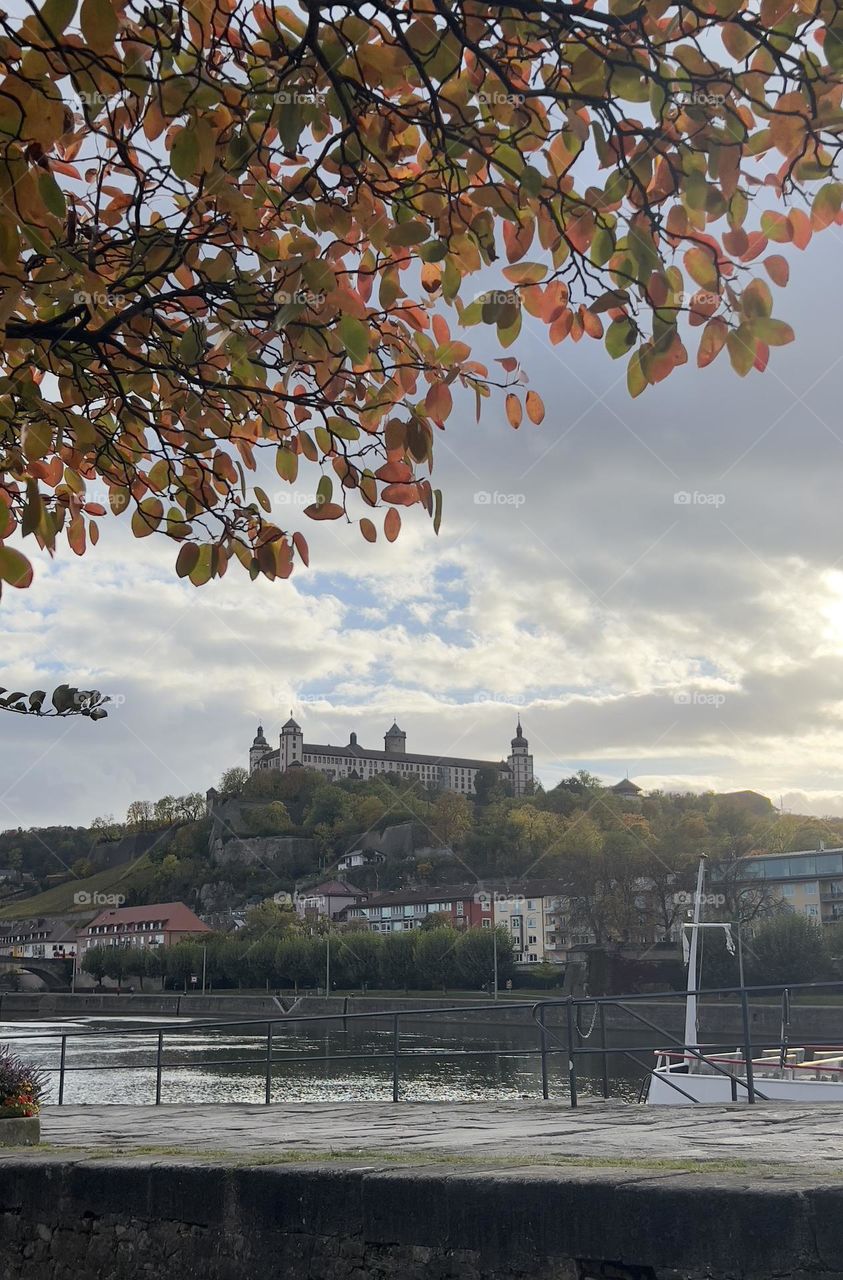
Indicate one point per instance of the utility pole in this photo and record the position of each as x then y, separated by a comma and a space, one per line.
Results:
495, 954
204, 966
327, 964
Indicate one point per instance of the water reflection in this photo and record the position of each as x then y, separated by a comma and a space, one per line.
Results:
211, 1065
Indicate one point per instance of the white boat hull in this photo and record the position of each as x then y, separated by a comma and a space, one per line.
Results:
714, 1088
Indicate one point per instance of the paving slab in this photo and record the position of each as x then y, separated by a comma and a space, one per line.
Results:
770, 1136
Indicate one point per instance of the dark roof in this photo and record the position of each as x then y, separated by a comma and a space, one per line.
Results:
415, 757
291, 724
395, 729
333, 889
519, 740
626, 788
57, 928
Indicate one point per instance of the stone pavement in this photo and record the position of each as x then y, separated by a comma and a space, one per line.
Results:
769, 1136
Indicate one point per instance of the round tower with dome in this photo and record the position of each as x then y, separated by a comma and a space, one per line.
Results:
258, 749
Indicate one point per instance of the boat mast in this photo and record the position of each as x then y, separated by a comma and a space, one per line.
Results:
691, 999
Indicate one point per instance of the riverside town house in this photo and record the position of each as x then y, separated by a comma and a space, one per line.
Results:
448, 773
161, 924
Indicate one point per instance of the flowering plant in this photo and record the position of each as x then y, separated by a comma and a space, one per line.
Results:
21, 1086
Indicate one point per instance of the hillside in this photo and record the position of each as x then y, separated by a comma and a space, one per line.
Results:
131, 880
275, 832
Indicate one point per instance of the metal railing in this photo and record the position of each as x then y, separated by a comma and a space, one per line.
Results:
551, 1043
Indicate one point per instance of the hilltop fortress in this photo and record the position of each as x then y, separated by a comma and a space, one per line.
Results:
449, 773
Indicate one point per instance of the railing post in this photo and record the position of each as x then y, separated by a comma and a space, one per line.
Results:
395, 1060
61, 1069
268, 1081
572, 1067
543, 1034
604, 1056
158, 1064
747, 1047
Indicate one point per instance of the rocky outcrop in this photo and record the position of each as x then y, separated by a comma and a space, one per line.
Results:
262, 850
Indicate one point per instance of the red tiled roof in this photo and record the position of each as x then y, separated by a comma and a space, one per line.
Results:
176, 916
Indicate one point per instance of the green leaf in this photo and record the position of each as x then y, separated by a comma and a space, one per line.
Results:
36, 439
286, 463
620, 338
355, 338
184, 154
52, 195
407, 233
99, 24
635, 379
774, 332
14, 568
187, 559
56, 15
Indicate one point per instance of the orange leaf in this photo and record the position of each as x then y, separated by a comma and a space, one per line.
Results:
712, 341
535, 407
777, 269
514, 411
368, 530
300, 543
438, 402
401, 495
324, 511
392, 524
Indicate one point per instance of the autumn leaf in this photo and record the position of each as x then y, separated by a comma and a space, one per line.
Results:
355, 338
535, 407
15, 569
777, 269
233, 244
392, 524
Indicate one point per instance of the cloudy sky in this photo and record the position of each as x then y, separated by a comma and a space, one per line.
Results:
657, 584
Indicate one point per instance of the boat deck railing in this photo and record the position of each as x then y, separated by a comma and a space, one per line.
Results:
558, 1023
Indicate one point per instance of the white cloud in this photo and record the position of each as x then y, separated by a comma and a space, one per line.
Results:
591, 604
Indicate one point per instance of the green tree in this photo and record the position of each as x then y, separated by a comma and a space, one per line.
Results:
475, 956
788, 949
232, 782
397, 960
451, 819
119, 962
436, 961
297, 961
150, 965
93, 962
268, 819
182, 961
270, 917
355, 958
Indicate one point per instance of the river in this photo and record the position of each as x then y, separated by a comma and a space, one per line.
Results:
471, 1063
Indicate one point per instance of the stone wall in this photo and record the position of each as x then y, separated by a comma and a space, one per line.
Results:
90, 1219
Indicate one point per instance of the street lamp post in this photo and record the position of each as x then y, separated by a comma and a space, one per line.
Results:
495, 955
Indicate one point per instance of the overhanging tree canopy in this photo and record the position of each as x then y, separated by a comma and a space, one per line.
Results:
231, 232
